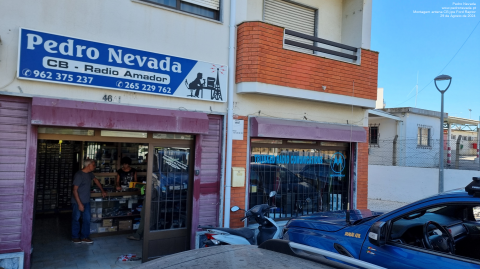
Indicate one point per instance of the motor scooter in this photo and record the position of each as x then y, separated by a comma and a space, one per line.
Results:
267, 228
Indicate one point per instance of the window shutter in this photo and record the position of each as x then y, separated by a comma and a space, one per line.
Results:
212, 4
292, 17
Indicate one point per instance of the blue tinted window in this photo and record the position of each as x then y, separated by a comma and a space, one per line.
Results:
199, 10
190, 8
171, 3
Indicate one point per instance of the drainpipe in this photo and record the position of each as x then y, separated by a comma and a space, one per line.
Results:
231, 84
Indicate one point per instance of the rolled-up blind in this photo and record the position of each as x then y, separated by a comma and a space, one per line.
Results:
213, 4
292, 17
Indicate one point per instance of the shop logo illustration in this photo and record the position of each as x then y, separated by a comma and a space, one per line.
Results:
212, 84
337, 163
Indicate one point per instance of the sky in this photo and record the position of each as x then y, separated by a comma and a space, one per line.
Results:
409, 43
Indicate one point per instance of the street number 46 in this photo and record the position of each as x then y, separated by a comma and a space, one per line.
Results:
107, 98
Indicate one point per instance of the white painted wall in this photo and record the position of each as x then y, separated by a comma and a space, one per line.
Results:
409, 184
148, 27
383, 152
367, 24
282, 107
419, 156
352, 16
379, 102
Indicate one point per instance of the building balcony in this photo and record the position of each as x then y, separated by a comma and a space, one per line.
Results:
276, 61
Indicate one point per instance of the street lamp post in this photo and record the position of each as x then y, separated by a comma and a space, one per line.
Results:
440, 175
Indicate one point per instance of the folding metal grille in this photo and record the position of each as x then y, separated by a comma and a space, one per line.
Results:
306, 180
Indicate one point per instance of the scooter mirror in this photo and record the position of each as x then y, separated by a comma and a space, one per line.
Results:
235, 208
273, 193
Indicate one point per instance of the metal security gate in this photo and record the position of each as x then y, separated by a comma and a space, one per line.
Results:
15, 214
308, 176
293, 17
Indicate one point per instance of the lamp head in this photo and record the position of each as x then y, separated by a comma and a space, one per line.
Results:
441, 78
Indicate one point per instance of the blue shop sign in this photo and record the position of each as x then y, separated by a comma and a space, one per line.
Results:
67, 60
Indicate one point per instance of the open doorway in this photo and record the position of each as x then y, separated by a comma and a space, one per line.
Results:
166, 178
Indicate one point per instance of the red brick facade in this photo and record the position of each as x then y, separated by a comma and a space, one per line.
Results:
262, 58
239, 159
362, 174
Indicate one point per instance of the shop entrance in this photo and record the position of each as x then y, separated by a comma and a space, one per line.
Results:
162, 190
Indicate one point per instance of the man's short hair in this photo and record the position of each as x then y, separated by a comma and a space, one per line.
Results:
87, 162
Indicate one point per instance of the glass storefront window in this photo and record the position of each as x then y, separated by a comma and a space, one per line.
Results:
306, 180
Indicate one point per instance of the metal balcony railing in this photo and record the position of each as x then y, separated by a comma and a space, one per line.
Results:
316, 40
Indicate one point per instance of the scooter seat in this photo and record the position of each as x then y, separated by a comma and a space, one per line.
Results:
243, 232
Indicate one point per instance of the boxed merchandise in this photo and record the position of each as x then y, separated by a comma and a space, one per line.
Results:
102, 229
107, 222
125, 225
136, 225
112, 229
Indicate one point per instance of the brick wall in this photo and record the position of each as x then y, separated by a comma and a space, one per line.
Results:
362, 174
261, 58
239, 159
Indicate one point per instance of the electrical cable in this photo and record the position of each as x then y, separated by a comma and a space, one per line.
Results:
478, 23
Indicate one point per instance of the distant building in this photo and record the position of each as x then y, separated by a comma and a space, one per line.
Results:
413, 132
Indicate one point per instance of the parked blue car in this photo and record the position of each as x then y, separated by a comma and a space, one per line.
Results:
441, 231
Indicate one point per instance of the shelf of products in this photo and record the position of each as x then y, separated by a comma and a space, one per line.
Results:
115, 214
55, 164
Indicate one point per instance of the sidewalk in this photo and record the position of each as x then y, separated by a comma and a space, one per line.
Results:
383, 205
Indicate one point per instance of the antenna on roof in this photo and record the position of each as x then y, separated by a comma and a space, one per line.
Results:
416, 95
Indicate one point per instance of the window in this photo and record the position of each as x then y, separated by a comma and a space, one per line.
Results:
424, 136
460, 220
205, 8
374, 135
293, 17
308, 178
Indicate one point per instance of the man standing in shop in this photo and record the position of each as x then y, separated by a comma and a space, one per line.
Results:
82, 182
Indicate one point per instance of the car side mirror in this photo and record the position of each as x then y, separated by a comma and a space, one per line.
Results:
377, 235
235, 208
272, 193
